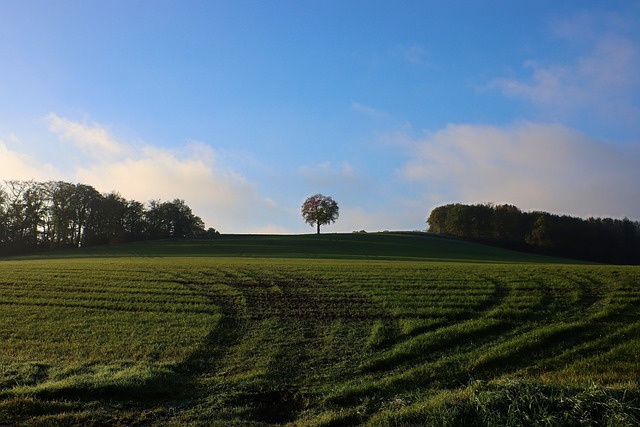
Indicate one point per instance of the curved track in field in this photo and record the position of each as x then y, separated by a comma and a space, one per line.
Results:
311, 342
393, 333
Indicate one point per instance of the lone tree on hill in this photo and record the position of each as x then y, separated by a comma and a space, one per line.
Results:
319, 210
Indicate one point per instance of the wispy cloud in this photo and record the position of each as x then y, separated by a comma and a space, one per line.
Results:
534, 166
92, 138
601, 79
369, 111
415, 54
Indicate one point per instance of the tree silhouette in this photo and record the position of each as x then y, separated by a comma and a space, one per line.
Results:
319, 210
58, 214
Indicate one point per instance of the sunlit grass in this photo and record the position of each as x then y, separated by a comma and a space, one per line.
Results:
263, 341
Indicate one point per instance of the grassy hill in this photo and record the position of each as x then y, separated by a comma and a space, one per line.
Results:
391, 246
332, 330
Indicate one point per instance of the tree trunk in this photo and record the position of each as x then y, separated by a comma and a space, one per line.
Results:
318, 227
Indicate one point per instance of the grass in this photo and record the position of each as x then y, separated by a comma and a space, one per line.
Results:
388, 329
387, 245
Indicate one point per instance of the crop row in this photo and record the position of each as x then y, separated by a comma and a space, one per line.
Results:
279, 341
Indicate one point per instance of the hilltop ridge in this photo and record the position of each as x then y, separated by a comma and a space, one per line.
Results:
399, 245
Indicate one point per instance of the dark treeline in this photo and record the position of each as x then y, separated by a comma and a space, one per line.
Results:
594, 239
47, 215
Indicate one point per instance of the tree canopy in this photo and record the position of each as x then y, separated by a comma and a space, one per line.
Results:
57, 214
595, 239
319, 210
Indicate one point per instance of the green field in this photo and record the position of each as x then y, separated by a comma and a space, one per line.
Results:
331, 330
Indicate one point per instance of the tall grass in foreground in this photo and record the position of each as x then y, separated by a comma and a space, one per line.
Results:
519, 403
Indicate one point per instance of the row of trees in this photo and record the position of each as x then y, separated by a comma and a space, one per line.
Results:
57, 214
596, 239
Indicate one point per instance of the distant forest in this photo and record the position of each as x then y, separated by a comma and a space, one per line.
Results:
594, 239
47, 215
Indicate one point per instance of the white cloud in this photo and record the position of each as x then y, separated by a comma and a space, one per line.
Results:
601, 80
549, 85
195, 172
15, 165
222, 197
534, 166
92, 138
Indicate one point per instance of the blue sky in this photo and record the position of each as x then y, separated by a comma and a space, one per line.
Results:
245, 108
